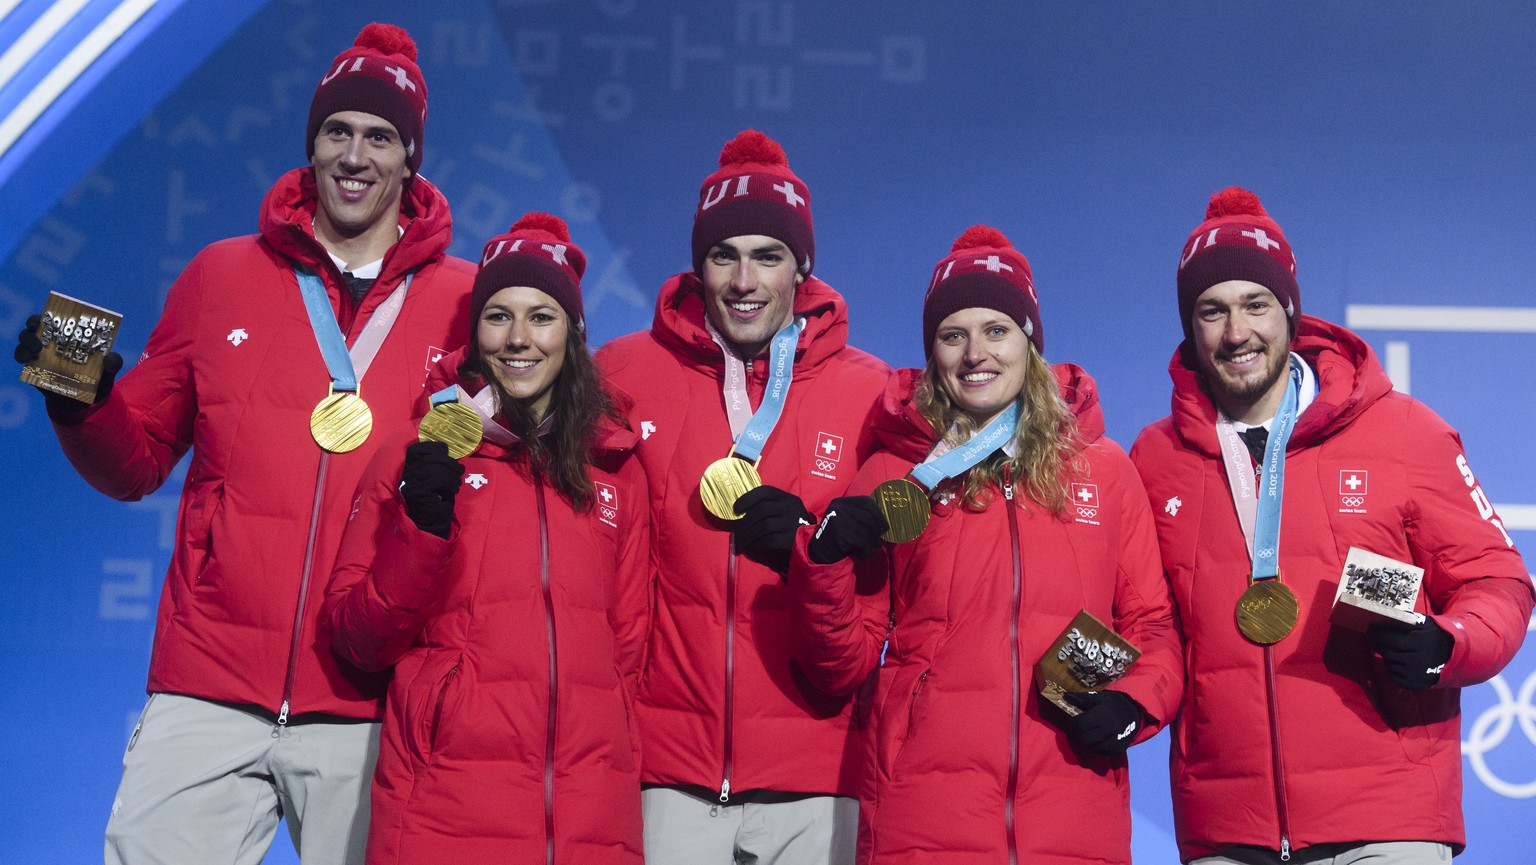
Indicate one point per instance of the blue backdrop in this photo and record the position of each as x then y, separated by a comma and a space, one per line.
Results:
1393, 144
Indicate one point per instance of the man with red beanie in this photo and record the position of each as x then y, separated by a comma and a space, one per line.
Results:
275, 356
744, 379
1286, 456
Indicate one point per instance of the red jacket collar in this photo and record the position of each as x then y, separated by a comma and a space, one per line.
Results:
1349, 380
288, 216
901, 429
679, 324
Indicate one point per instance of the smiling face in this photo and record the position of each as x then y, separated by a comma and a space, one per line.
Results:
360, 171
749, 291
980, 356
1241, 338
521, 336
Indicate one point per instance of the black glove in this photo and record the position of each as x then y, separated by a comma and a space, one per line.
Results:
852, 527
428, 483
62, 408
769, 519
1108, 722
1414, 655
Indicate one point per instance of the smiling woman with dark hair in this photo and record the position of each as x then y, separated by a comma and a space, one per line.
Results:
506, 588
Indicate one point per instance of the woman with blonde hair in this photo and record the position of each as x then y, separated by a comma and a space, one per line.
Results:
1035, 516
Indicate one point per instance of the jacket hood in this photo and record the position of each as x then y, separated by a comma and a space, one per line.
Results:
900, 428
611, 436
1349, 380
288, 224
679, 324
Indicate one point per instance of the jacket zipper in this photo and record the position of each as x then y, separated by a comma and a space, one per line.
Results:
554, 688
437, 710
730, 653
730, 670
1013, 652
1282, 808
298, 613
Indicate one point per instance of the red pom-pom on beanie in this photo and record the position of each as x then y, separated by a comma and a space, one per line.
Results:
387, 39
749, 145
1234, 201
980, 235
546, 222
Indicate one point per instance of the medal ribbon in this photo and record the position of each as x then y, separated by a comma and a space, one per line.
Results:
948, 461
484, 405
750, 430
347, 367
1258, 509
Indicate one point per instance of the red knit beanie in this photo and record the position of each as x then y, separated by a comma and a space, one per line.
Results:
1237, 240
377, 75
983, 269
754, 192
536, 252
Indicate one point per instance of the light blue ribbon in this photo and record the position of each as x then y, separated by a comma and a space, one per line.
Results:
1266, 530
781, 369
322, 320
957, 461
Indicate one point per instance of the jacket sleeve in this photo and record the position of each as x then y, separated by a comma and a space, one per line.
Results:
841, 612
128, 445
1144, 612
1477, 585
635, 576
389, 573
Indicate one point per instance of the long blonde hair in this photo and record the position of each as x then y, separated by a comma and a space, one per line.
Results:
1046, 440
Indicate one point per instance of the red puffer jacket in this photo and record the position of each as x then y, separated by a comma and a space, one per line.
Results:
233, 371
508, 732
968, 764
722, 705
1358, 757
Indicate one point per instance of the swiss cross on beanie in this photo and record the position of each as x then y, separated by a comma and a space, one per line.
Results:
983, 270
1237, 240
536, 252
377, 75
754, 192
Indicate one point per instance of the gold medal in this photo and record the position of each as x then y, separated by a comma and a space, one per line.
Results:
1267, 611
341, 422
725, 481
455, 425
906, 509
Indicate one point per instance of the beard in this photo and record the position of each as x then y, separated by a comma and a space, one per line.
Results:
1251, 388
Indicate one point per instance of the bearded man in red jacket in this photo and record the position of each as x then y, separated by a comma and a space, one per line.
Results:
272, 355
1287, 454
745, 374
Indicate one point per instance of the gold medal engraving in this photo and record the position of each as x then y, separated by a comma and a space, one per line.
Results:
906, 509
341, 422
725, 481
1267, 611
455, 425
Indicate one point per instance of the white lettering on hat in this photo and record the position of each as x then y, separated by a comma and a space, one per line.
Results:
357, 63
790, 196
939, 276
711, 199
402, 80
1261, 240
994, 264
1194, 246
556, 251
